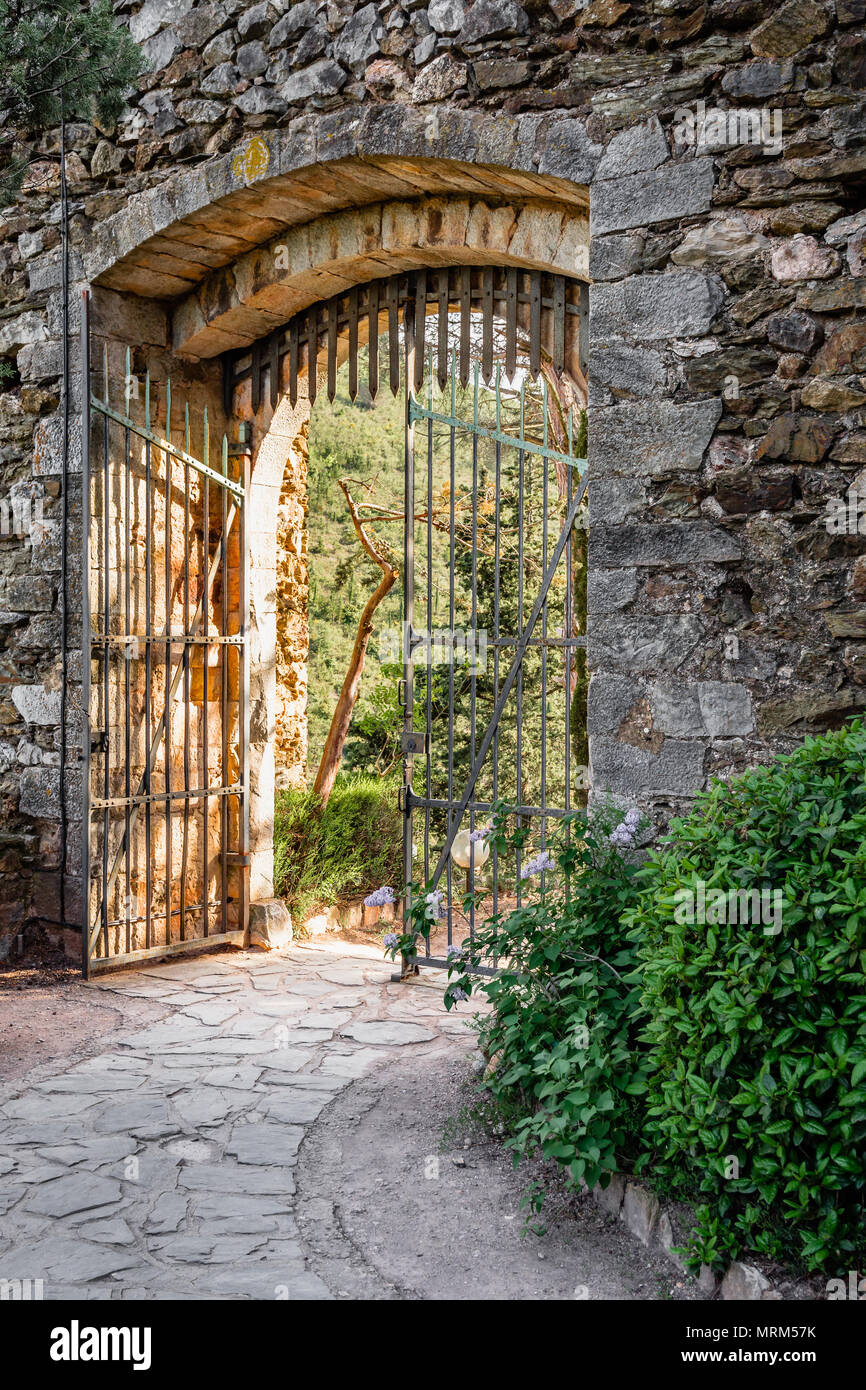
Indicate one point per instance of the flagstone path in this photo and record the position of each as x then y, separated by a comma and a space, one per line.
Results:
164, 1166
284, 1130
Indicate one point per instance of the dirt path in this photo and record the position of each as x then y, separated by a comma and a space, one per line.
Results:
397, 1201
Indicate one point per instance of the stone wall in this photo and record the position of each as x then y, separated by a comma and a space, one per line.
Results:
727, 350
293, 633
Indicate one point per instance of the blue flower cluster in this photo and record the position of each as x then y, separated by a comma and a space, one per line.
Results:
383, 897
624, 833
538, 865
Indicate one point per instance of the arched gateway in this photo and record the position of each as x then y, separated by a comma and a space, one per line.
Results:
199, 347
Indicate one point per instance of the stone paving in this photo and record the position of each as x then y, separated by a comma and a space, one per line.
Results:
163, 1167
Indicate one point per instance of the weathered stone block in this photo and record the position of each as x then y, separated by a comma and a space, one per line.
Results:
726, 709
743, 1283
36, 705
653, 195
40, 793
789, 29
614, 499
674, 543
322, 79
609, 700
640, 1212
634, 150
728, 239
676, 710
568, 152
803, 258
446, 16
360, 38
624, 770
649, 307
613, 257
609, 590
641, 440
643, 643
270, 924
626, 370
489, 19
610, 1198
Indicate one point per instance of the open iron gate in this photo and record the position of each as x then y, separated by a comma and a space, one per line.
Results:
492, 469
165, 676
492, 475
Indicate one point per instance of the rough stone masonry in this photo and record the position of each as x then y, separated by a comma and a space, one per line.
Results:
722, 144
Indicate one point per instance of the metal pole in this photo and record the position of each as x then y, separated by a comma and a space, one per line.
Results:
408, 602
243, 732
64, 524
85, 632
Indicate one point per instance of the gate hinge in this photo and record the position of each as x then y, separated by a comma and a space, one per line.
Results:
245, 441
414, 741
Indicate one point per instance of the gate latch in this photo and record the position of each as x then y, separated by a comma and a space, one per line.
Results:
415, 741
99, 741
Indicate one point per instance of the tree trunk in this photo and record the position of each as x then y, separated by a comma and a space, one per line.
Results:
332, 753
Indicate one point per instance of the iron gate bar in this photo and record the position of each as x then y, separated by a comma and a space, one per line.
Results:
509, 680
163, 729
165, 447
529, 446
122, 478
526, 450
408, 556
492, 291
85, 630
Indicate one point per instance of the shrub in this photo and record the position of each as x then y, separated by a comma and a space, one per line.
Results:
565, 1071
758, 1039
324, 856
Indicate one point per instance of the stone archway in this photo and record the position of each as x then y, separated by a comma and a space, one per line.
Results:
235, 262
432, 232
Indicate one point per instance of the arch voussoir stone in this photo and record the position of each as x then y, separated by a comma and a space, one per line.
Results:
263, 288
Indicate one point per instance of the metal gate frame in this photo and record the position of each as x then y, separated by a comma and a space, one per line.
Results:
543, 316
419, 413
101, 644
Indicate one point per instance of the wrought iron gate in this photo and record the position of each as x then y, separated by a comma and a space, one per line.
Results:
165, 675
494, 491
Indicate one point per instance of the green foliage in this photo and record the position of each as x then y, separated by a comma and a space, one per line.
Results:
757, 1039
566, 1073
49, 46
324, 856
364, 442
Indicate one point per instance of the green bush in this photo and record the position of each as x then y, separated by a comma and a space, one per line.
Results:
565, 1071
322, 857
757, 1037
